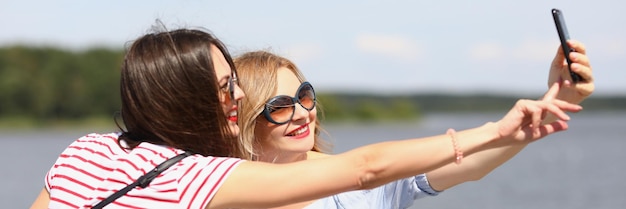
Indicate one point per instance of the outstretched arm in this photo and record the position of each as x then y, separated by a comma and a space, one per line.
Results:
256, 184
477, 166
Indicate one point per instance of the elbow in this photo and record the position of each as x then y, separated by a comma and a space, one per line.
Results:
367, 180
476, 177
369, 169
477, 174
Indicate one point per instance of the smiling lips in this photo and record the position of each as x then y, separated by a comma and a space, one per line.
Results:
233, 115
301, 132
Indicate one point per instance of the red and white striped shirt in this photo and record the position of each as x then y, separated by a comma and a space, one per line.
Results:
94, 167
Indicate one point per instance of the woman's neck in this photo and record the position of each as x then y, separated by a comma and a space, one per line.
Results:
285, 158
282, 157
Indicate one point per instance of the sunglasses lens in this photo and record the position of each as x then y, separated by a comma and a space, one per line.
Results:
231, 89
231, 85
306, 95
280, 109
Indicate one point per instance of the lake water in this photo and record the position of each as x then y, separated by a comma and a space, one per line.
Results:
583, 167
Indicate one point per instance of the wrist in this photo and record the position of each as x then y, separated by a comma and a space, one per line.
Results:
480, 138
571, 97
492, 131
492, 134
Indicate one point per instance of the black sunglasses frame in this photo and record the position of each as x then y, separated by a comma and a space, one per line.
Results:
295, 100
232, 81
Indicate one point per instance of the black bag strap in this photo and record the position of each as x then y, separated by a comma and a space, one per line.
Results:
144, 180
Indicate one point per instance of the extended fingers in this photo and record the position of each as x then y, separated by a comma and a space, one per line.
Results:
552, 92
557, 111
544, 130
537, 115
559, 107
566, 106
536, 110
550, 128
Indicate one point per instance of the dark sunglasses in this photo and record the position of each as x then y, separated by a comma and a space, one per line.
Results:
230, 86
280, 109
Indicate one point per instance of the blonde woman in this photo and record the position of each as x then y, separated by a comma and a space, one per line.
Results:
278, 121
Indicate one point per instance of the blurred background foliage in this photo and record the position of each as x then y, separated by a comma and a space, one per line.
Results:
48, 86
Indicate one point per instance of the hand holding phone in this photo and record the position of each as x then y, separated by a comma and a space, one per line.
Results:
561, 29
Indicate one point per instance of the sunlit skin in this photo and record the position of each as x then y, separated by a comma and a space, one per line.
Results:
223, 73
287, 142
474, 167
574, 93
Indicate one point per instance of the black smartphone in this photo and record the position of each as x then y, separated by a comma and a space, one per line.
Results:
561, 29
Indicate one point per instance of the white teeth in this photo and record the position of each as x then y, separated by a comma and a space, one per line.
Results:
300, 131
233, 113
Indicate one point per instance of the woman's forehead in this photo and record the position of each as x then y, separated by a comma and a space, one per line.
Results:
287, 82
222, 68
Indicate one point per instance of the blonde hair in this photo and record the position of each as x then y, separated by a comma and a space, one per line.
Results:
257, 71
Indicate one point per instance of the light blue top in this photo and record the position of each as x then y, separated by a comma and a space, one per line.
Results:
398, 194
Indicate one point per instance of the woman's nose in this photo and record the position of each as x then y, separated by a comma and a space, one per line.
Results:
299, 112
238, 93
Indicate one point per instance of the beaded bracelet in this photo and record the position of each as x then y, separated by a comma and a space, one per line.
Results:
457, 150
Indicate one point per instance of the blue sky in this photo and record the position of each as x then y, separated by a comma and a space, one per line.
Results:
373, 46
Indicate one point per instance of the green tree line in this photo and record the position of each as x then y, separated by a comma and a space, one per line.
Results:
48, 84
45, 85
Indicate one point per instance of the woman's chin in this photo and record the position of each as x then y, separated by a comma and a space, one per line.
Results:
234, 129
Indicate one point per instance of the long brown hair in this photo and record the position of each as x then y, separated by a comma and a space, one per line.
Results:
170, 93
257, 73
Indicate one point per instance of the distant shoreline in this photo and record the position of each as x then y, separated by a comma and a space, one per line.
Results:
102, 125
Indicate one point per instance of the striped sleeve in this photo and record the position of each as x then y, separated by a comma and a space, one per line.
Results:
95, 166
79, 167
203, 178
